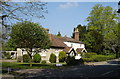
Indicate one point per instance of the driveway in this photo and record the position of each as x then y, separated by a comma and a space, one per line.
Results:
109, 69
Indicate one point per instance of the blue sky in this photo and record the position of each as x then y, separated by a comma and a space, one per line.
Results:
64, 16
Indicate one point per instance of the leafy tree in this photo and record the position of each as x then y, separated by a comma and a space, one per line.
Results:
52, 58
62, 56
18, 12
82, 31
101, 29
29, 35
59, 34
102, 18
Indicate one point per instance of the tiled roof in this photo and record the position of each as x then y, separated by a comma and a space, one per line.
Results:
56, 42
59, 41
66, 49
79, 49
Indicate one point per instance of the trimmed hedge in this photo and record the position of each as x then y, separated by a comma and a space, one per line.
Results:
88, 59
62, 56
37, 58
97, 58
52, 58
26, 58
89, 55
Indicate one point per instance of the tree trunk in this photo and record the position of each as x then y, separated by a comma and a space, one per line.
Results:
31, 57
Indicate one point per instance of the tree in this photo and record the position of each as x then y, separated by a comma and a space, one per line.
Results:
102, 18
29, 35
82, 31
17, 11
102, 22
62, 56
59, 34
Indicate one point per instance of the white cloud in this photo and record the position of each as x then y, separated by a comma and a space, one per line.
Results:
69, 4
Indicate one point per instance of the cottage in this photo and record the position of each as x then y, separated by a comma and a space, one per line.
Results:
70, 45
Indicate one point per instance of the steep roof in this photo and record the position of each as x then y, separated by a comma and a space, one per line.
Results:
59, 41
56, 42
79, 49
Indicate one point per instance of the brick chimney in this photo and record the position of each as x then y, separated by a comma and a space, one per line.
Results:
76, 34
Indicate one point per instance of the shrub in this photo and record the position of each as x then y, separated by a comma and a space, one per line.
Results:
52, 58
71, 61
88, 59
26, 58
7, 55
37, 58
19, 59
89, 55
43, 61
98, 58
62, 56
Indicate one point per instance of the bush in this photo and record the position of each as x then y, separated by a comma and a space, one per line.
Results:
98, 58
52, 58
7, 55
43, 61
37, 58
19, 59
88, 59
26, 58
89, 55
62, 56
71, 61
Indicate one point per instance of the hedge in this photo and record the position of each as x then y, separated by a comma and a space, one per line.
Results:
52, 58
37, 58
97, 58
26, 58
89, 55
62, 56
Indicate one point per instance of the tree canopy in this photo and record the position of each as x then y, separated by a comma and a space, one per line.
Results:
101, 34
29, 35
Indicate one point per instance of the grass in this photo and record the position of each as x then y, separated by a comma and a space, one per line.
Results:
26, 65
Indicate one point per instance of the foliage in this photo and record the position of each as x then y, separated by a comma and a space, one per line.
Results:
59, 34
29, 35
89, 54
15, 65
71, 61
43, 62
101, 34
37, 58
102, 22
7, 55
20, 59
52, 58
62, 56
97, 58
26, 58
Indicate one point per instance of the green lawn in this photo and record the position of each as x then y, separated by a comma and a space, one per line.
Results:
26, 65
